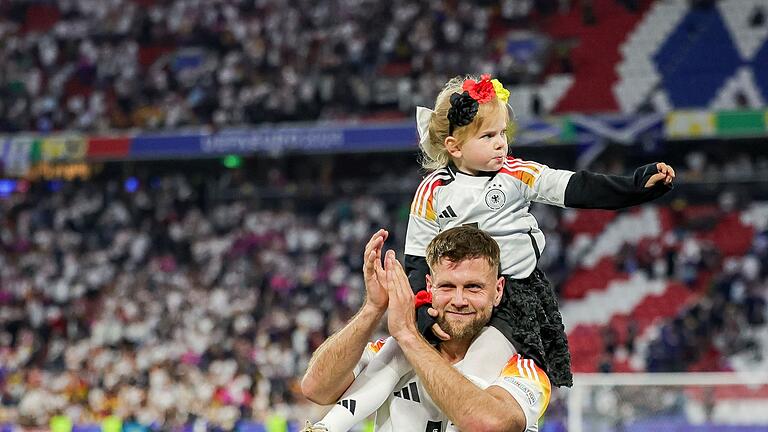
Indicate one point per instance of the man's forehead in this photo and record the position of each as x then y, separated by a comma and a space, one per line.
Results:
479, 266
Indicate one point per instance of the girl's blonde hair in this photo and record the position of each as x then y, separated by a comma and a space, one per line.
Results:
434, 155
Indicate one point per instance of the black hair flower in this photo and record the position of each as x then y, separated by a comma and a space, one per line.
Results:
462, 111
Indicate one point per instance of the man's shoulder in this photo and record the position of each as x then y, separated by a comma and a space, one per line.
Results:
528, 385
520, 366
526, 381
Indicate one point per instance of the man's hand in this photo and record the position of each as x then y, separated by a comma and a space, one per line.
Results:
666, 173
373, 272
401, 316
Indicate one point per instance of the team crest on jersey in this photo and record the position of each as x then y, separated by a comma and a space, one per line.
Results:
495, 198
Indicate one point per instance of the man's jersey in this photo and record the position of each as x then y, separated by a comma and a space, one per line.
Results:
497, 204
410, 408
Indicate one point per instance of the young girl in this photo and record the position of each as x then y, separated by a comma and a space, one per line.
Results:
473, 181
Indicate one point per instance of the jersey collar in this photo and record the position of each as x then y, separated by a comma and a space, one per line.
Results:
454, 171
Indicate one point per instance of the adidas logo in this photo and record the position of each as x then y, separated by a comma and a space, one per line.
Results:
349, 404
434, 426
409, 392
448, 213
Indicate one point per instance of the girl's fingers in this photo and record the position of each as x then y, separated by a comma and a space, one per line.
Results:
440, 333
668, 171
654, 179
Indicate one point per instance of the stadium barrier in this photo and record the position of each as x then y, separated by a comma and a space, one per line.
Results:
668, 402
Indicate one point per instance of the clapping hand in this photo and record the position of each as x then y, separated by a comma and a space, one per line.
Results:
401, 315
373, 272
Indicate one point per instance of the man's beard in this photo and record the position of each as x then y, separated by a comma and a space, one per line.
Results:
462, 329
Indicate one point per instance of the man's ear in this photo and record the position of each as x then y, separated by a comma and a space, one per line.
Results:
452, 145
499, 290
429, 282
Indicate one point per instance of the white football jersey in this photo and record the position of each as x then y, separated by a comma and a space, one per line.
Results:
496, 203
410, 408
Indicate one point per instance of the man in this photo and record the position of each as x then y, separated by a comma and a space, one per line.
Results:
465, 286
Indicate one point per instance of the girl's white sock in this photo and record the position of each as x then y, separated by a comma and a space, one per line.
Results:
370, 389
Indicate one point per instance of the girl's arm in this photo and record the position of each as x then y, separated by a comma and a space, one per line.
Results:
599, 191
422, 228
589, 190
417, 270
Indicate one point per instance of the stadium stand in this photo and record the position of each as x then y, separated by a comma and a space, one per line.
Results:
96, 66
93, 65
118, 295
185, 296
122, 300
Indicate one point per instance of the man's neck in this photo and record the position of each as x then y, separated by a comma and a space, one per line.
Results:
454, 350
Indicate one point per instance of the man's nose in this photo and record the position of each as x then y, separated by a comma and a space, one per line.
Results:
458, 298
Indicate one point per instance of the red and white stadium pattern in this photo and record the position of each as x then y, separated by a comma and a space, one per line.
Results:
661, 57
598, 295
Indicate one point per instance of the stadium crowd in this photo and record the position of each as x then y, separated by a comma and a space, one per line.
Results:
95, 65
723, 321
151, 300
153, 306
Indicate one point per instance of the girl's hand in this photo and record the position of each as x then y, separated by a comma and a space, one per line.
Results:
665, 174
436, 329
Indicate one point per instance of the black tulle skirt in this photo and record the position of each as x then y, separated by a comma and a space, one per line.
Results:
529, 316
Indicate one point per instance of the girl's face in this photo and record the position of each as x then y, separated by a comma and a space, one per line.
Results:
485, 150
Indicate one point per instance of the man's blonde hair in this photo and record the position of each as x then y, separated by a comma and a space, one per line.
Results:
434, 155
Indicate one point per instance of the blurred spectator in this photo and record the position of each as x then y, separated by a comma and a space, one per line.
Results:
610, 340
588, 16
631, 5
757, 19
631, 335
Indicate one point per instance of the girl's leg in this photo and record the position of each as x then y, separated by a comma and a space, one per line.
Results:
370, 389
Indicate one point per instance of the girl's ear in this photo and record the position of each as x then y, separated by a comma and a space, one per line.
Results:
452, 145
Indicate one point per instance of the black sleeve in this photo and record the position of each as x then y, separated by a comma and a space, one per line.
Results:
590, 190
417, 269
